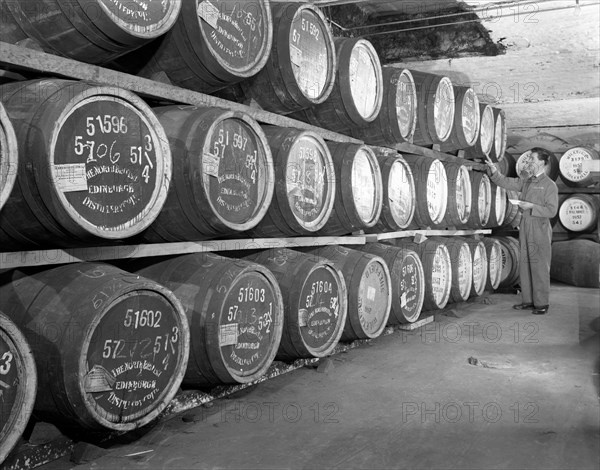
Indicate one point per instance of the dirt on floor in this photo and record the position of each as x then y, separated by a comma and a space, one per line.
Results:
484, 386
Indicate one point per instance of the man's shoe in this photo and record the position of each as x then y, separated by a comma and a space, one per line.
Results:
541, 310
523, 307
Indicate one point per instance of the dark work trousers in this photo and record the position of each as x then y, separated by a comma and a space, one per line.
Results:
535, 234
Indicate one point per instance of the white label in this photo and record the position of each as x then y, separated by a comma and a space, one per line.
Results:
295, 55
98, 379
228, 334
302, 317
210, 164
371, 291
209, 13
403, 300
70, 177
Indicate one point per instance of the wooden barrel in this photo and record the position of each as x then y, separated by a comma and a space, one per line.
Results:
575, 167
89, 31
493, 251
509, 253
435, 111
359, 195
300, 71
431, 190
408, 281
9, 156
508, 165
94, 164
481, 200
437, 270
357, 93
111, 347
305, 184
223, 175
579, 213
500, 135
498, 206
551, 169
465, 129
212, 45
314, 298
485, 141
462, 268
399, 200
369, 288
512, 210
18, 385
397, 119
480, 265
576, 262
235, 312
460, 198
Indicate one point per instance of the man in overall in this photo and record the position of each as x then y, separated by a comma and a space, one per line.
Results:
539, 203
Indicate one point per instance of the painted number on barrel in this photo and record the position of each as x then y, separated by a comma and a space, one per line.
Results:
139, 156
6, 362
142, 318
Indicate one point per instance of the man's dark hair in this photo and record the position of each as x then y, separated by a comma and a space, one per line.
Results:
543, 154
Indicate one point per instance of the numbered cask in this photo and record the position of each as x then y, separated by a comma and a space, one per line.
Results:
509, 252
359, 194
493, 251
408, 281
300, 71
314, 299
437, 270
460, 197
526, 159
579, 213
498, 149
481, 200
436, 108
397, 119
304, 187
212, 45
111, 347
399, 200
9, 156
223, 174
465, 129
577, 167
95, 164
480, 266
576, 262
431, 190
95, 31
485, 141
357, 93
462, 268
369, 288
235, 312
498, 206
18, 385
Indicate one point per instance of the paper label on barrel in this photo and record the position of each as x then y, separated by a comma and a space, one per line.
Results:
116, 147
209, 13
572, 165
247, 323
235, 181
576, 214
364, 189
373, 295
403, 300
363, 80
307, 181
320, 297
228, 334
235, 32
308, 34
138, 16
70, 177
134, 353
10, 392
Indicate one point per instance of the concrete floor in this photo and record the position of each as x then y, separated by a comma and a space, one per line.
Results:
412, 400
